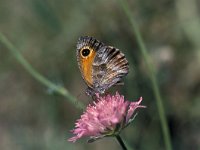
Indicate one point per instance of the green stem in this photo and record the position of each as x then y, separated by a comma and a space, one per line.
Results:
119, 139
160, 107
38, 76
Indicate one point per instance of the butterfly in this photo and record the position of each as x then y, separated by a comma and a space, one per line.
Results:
101, 66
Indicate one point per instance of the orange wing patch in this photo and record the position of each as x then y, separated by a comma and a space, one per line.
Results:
86, 65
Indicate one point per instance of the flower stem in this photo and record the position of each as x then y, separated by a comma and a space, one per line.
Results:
151, 69
119, 139
37, 75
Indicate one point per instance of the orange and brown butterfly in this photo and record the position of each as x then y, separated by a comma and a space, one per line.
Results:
101, 66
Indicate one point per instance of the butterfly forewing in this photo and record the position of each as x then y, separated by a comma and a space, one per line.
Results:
85, 63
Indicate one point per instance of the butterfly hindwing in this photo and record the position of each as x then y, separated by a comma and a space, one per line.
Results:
109, 66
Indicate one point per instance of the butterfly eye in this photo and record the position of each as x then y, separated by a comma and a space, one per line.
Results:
85, 52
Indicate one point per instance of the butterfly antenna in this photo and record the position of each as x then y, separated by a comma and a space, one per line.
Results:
83, 93
78, 96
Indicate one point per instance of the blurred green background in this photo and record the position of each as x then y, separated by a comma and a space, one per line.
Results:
45, 32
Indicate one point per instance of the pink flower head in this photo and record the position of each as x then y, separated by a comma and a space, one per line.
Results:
106, 117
